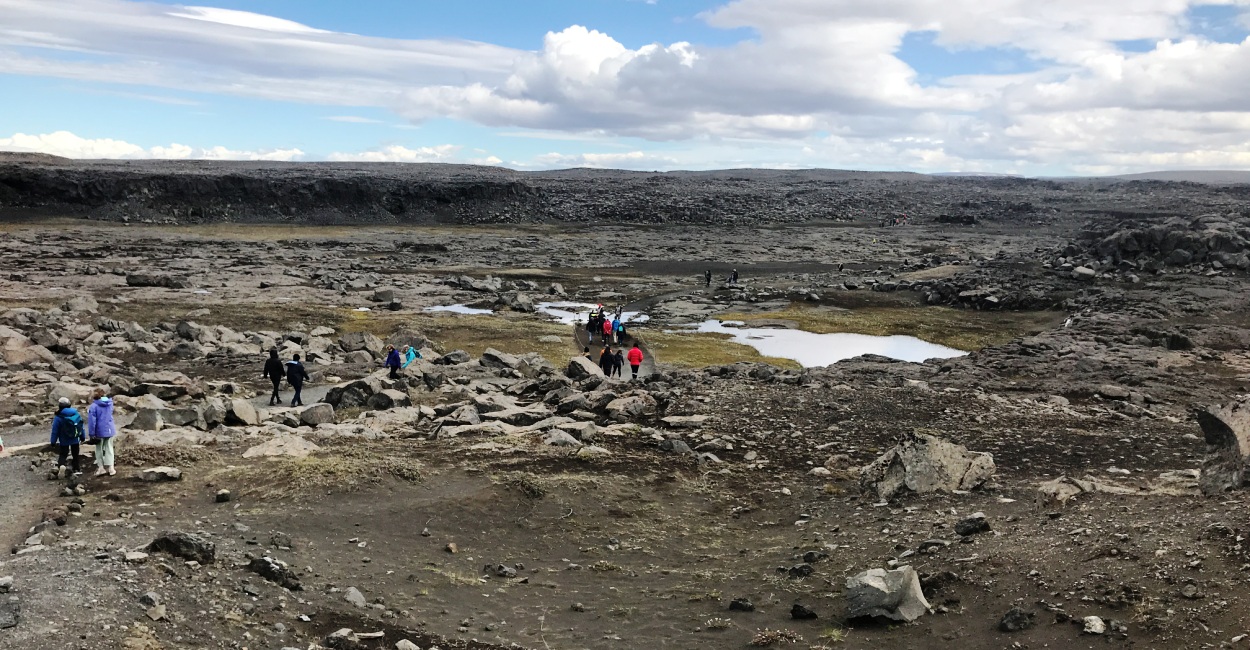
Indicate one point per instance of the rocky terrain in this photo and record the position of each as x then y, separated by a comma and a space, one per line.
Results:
1076, 480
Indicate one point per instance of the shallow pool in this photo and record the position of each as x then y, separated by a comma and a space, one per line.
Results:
460, 309
571, 313
813, 350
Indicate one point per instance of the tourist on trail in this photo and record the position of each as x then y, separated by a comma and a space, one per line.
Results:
616, 329
100, 431
68, 433
392, 361
733, 277
586, 353
607, 328
635, 359
296, 375
605, 361
590, 326
273, 372
618, 361
410, 355
707, 278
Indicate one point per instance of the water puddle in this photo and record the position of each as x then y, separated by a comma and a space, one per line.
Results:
574, 313
460, 309
813, 350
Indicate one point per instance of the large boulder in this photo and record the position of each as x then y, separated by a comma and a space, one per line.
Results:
893, 594
354, 394
361, 341
185, 546
76, 393
241, 412
157, 280
317, 414
493, 358
1227, 433
630, 407
923, 463
18, 350
387, 399
282, 445
580, 368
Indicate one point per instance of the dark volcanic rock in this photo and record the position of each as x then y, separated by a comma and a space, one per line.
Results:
186, 546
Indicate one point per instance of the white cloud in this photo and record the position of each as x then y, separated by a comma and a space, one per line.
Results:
397, 153
68, 145
820, 81
353, 119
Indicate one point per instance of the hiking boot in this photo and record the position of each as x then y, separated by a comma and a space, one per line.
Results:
60, 471
112, 472
101, 472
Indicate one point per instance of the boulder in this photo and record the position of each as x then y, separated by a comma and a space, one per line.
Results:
361, 341
241, 412
317, 414
80, 304
1059, 491
184, 545
158, 474
1226, 430
453, 358
580, 368
276, 572
157, 280
684, 421
76, 393
631, 407
358, 357
893, 594
282, 445
561, 439
388, 399
923, 463
493, 358
148, 419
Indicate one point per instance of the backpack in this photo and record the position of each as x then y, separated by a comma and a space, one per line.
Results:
76, 424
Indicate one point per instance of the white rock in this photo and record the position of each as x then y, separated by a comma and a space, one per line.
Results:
1094, 625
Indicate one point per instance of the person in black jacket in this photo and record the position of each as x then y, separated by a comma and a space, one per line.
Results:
296, 375
618, 361
274, 373
605, 361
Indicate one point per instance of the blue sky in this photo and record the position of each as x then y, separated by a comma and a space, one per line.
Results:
1074, 87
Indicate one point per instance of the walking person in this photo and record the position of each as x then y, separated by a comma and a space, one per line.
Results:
590, 327
392, 361
616, 329
101, 430
68, 433
707, 278
586, 353
410, 355
618, 361
607, 329
635, 359
605, 361
733, 277
296, 375
274, 373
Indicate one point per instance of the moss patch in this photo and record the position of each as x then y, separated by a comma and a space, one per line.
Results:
701, 350
956, 328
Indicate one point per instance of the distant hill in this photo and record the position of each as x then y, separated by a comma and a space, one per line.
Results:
1211, 177
29, 157
975, 175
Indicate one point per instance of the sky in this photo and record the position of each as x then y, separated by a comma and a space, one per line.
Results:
1062, 87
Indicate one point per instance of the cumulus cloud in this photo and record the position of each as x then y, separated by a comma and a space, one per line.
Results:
69, 145
826, 81
637, 160
398, 153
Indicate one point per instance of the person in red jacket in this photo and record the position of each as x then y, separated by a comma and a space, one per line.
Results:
635, 359
607, 329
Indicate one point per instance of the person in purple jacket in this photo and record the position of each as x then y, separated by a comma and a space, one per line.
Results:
100, 430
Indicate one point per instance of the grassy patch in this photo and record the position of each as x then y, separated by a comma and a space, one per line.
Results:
701, 350
336, 469
956, 328
506, 332
240, 317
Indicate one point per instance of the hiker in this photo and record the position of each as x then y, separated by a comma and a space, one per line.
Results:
296, 375
707, 278
590, 326
410, 355
635, 359
586, 353
392, 361
273, 372
605, 361
616, 329
68, 433
100, 430
618, 361
607, 328
733, 277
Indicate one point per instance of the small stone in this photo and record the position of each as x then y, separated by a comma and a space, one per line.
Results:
800, 613
741, 605
977, 523
150, 599
1016, 620
577, 607
405, 644
1094, 625
156, 613
223, 496
452, 548
354, 597
6, 584
136, 557
155, 474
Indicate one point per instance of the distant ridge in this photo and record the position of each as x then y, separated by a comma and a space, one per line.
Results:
1211, 177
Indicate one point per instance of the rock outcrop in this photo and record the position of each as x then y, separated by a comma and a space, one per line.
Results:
925, 463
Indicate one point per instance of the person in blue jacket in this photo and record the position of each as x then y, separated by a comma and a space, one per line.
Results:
410, 355
392, 361
100, 430
68, 432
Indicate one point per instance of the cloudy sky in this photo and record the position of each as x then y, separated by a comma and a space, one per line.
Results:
1009, 86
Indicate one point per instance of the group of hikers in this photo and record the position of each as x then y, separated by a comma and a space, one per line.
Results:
611, 362
597, 322
294, 372
396, 360
70, 431
731, 279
